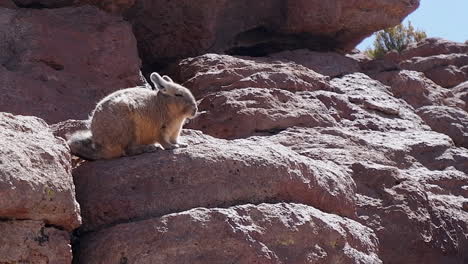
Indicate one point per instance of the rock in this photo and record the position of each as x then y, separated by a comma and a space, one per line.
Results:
29, 241
447, 120
8, 4
326, 63
209, 173
367, 104
430, 47
35, 169
445, 70
410, 184
172, 30
244, 112
413, 87
43, 3
213, 73
461, 94
265, 233
40, 77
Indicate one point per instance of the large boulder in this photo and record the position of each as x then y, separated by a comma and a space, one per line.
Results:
265, 233
179, 29
209, 173
245, 112
410, 184
447, 120
414, 87
211, 73
57, 63
447, 70
30, 241
35, 170
330, 64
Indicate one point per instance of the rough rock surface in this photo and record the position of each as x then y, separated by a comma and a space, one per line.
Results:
447, 120
460, 93
209, 173
267, 233
211, 73
442, 61
326, 63
244, 112
414, 87
35, 170
447, 70
410, 184
260, 27
32, 242
57, 63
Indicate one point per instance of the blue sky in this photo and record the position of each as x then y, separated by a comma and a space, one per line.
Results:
446, 19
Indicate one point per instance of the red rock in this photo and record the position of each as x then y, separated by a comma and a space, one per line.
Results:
244, 112
326, 63
29, 241
402, 189
209, 173
40, 75
35, 169
413, 87
171, 30
432, 46
43, 3
367, 104
8, 4
213, 73
461, 93
447, 120
445, 70
265, 233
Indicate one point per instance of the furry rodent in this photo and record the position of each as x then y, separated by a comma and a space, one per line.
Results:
130, 121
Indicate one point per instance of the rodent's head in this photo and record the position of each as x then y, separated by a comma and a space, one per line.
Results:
177, 96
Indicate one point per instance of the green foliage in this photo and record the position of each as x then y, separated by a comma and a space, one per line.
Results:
395, 38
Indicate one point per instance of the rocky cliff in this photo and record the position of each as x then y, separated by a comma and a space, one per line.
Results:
302, 154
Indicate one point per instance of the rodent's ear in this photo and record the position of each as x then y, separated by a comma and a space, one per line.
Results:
158, 81
167, 78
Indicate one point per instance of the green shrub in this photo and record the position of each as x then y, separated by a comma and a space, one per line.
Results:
395, 38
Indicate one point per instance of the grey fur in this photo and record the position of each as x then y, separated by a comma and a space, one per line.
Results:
130, 121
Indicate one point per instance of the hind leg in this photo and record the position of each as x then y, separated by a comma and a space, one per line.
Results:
140, 149
110, 152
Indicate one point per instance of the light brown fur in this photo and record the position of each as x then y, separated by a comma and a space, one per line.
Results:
131, 121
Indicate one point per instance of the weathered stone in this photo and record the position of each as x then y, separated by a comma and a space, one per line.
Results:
368, 105
265, 233
209, 173
413, 87
7, 4
35, 173
180, 29
445, 69
461, 94
396, 195
32, 242
213, 73
447, 120
430, 47
245, 112
57, 63
326, 63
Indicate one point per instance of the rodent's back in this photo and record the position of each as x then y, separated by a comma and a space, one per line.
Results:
118, 117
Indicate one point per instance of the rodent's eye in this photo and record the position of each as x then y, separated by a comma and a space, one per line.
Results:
179, 95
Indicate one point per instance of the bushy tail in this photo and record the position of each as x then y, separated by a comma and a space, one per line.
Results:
82, 145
